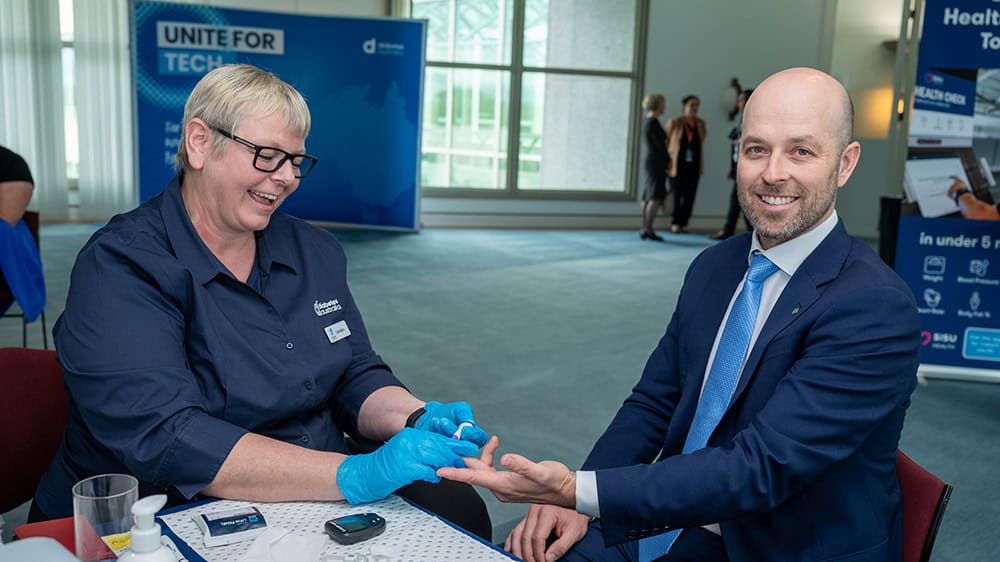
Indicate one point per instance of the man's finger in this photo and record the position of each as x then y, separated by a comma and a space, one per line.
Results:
559, 547
489, 449
543, 528
457, 474
516, 463
476, 464
513, 542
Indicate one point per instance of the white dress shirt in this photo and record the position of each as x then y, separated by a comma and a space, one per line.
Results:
788, 256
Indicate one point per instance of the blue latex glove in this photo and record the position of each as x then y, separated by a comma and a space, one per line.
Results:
445, 419
410, 455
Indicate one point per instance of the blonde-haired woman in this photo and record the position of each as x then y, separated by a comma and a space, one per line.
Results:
655, 164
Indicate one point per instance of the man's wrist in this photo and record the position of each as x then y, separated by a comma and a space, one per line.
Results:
958, 193
567, 491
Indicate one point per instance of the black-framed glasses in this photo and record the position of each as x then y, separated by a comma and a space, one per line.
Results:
269, 158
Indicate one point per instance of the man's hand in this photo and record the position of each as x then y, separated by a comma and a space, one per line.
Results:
528, 538
547, 482
955, 186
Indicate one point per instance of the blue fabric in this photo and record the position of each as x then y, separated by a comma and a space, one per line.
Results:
721, 380
22, 268
814, 421
170, 360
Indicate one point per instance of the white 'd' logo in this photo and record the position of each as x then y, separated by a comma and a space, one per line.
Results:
327, 307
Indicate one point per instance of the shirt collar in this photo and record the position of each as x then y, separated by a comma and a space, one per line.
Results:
192, 251
789, 255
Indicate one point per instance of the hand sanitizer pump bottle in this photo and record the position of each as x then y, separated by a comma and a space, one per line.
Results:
145, 545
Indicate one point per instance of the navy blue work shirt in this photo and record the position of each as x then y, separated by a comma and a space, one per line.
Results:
169, 359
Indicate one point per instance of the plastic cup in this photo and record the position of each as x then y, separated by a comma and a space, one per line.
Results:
102, 515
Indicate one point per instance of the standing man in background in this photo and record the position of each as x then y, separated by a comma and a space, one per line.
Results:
766, 422
733, 214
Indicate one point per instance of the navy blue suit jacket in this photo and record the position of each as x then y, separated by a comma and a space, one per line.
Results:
802, 465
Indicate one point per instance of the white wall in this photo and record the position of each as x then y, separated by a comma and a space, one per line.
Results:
365, 8
865, 65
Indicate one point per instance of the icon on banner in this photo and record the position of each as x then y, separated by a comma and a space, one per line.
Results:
975, 301
932, 297
979, 267
934, 265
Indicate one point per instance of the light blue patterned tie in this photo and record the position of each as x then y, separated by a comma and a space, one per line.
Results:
722, 377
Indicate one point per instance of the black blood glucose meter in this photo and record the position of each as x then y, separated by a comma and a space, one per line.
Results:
356, 527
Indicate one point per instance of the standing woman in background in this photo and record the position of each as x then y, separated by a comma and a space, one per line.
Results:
685, 134
655, 165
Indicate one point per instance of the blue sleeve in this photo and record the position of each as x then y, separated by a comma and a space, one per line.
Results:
122, 344
366, 373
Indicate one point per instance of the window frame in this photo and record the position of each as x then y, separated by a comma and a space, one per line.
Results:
517, 69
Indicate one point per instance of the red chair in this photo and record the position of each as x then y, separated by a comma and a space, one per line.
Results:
925, 498
31, 221
34, 409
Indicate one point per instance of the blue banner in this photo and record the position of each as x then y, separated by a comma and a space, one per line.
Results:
362, 79
953, 267
959, 41
960, 33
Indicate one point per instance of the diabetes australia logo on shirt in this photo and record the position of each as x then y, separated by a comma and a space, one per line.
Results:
324, 308
187, 48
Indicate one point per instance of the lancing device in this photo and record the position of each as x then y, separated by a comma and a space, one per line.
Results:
458, 432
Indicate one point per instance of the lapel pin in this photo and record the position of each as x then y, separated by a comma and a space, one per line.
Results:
795, 311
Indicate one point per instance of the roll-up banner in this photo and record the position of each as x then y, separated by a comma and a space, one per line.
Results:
953, 264
361, 77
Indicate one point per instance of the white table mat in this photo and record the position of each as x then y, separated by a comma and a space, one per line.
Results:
410, 535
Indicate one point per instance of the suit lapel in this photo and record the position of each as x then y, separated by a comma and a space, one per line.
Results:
821, 267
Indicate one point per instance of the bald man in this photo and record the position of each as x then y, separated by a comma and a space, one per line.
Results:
766, 421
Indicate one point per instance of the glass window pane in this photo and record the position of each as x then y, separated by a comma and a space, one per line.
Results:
574, 132
465, 133
66, 20
70, 128
585, 34
469, 31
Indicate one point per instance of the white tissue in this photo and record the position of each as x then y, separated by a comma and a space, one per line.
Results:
280, 545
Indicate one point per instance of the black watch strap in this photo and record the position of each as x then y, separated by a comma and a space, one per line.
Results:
411, 420
960, 192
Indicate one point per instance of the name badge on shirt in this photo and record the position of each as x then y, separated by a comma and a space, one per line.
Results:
337, 332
